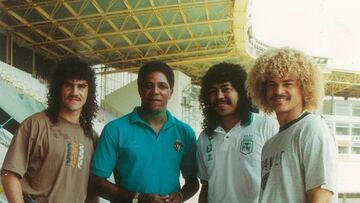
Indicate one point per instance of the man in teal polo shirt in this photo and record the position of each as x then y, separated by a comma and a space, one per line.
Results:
148, 148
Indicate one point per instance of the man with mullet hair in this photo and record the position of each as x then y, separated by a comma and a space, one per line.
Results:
298, 163
49, 157
229, 148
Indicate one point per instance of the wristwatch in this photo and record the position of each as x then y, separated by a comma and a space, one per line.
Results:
136, 198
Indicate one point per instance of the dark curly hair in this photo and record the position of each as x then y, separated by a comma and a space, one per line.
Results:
68, 69
221, 73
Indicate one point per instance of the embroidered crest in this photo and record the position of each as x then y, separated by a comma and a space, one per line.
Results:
178, 145
246, 147
209, 148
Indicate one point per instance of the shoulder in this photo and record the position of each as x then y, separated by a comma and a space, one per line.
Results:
203, 138
313, 126
120, 122
33, 126
264, 120
39, 118
181, 124
265, 125
313, 123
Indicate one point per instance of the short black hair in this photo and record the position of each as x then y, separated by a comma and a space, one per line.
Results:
221, 73
155, 66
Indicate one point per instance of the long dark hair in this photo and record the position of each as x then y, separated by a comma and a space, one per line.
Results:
221, 73
73, 68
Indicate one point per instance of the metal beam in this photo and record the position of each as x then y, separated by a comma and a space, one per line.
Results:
124, 13
125, 32
219, 37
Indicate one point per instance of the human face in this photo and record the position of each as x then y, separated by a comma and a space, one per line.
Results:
224, 99
73, 95
155, 92
285, 97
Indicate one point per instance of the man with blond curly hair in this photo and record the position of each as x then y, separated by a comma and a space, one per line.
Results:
297, 164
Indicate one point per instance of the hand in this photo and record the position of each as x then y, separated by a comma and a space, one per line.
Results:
175, 197
152, 198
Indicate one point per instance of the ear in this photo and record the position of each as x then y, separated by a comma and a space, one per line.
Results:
171, 91
139, 89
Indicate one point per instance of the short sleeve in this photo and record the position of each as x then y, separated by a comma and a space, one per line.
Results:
188, 163
105, 155
202, 173
19, 152
319, 158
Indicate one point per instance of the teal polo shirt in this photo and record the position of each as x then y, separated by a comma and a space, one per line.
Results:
145, 161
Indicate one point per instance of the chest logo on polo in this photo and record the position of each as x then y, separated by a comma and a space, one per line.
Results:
209, 149
247, 144
178, 145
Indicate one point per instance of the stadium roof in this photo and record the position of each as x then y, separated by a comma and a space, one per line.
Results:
123, 34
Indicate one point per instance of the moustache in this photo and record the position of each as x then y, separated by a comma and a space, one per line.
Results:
221, 101
73, 97
278, 96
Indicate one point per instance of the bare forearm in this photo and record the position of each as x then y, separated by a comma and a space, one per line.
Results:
319, 195
190, 187
92, 197
203, 197
12, 187
110, 191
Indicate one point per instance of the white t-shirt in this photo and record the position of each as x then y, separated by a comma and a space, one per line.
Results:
230, 162
297, 159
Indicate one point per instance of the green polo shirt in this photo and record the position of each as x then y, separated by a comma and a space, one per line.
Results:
143, 160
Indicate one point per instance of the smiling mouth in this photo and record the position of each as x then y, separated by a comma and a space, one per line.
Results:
155, 100
74, 100
222, 104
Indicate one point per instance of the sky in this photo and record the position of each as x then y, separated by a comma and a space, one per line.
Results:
323, 28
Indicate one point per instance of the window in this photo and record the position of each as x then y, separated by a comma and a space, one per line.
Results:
355, 150
343, 150
355, 130
342, 129
342, 109
356, 110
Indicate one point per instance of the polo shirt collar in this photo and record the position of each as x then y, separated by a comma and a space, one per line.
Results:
219, 129
135, 118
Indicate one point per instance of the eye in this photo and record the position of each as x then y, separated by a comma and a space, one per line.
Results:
163, 86
226, 89
147, 86
288, 84
212, 91
82, 86
270, 85
67, 85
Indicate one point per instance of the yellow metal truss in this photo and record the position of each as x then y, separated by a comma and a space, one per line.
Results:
190, 35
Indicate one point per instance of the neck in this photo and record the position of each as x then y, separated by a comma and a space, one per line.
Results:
71, 116
228, 122
287, 117
156, 118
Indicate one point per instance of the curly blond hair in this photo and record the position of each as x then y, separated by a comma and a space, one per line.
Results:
282, 62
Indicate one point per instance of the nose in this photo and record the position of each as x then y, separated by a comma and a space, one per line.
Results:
279, 89
219, 94
155, 89
74, 89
